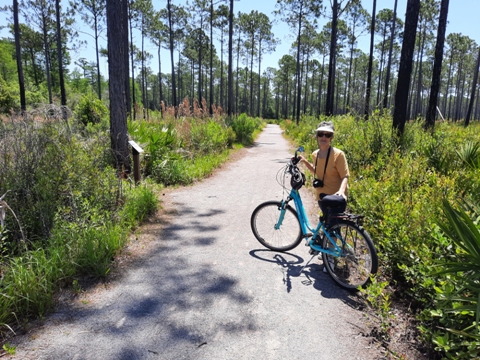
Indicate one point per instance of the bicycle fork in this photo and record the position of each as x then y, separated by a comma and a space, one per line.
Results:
282, 209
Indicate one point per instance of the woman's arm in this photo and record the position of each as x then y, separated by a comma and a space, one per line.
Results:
343, 188
307, 164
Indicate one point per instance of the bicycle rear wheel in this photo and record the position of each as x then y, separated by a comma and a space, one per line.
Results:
359, 258
269, 232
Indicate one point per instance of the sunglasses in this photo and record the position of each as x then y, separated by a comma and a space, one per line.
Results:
327, 135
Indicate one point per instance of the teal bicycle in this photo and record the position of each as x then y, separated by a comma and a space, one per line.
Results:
348, 252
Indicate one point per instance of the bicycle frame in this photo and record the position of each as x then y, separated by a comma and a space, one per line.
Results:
306, 227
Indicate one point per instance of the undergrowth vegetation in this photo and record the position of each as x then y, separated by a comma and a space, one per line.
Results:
419, 194
63, 211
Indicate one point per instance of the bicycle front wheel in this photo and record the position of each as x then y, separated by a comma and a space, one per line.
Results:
274, 232
358, 258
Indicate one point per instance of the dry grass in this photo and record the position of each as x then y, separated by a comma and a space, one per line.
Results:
193, 109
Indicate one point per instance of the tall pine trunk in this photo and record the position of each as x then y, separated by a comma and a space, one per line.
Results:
370, 64
332, 63
298, 90
211, 58
116, 33
230, 62
405, 68
126, 75
437, 66
474, 86
63, 94
389, 63
174, 88
97, 56
133, 67
18, 53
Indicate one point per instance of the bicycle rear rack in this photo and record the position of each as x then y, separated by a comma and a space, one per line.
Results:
357, 219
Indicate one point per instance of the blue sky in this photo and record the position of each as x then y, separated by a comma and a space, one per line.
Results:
462, 18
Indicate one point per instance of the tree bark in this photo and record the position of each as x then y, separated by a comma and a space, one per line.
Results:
99, 82
418, 101
134, 97
63, 95
370, 63
405, 69
116, 33
21, 81
230, 62
472, 95
174, 87
160, 80
47, 60
211, 58
126, 76
390, 50
437, 66
259, 74
331, 63
298, 89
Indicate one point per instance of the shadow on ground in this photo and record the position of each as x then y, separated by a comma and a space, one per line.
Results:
293, 266
163, 301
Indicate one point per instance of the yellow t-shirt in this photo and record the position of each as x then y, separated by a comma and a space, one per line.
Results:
337, 169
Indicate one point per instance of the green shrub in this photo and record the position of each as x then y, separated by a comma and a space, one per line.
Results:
210, 137
90, 110
157, 139
244, 128
7, 97
35, 98
31, 170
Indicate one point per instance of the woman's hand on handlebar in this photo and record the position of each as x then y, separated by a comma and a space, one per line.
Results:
297, 159
307, 164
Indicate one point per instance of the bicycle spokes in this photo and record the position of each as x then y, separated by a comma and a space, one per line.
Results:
354, 265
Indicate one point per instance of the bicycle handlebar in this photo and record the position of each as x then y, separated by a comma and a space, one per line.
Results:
295, 160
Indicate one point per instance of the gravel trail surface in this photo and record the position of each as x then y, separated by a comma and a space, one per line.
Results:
207, 289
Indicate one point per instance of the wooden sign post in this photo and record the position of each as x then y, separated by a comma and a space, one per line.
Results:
136, 151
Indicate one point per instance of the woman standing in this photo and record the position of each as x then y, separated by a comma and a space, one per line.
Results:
330, 170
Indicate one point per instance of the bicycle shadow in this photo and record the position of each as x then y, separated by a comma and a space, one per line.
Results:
293, 266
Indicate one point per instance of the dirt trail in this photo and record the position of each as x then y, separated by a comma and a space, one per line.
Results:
206, 289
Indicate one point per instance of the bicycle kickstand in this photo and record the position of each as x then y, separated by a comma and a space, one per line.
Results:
308, 262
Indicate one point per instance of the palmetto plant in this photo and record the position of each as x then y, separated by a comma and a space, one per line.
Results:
464, 232
470, 154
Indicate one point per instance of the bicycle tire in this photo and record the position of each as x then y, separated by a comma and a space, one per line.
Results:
352, 270
263, 221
